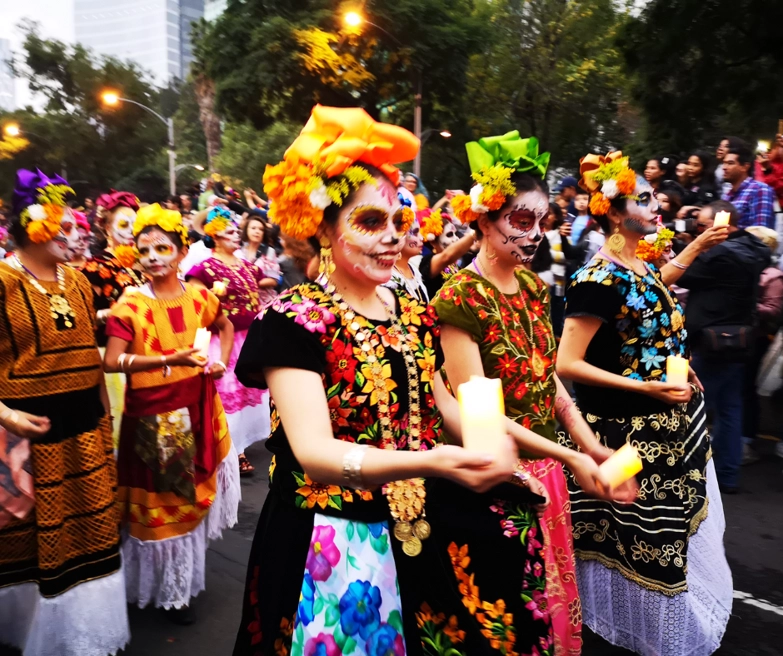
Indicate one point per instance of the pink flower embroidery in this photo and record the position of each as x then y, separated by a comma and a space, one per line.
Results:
322, 645
323, 554
533, 545
539, 605
312, 316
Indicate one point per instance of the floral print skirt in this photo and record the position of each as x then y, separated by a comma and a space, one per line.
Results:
323, 584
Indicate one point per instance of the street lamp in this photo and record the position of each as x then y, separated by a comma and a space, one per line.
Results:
354, 19
12, 130
112, 99
430, 131
181, 167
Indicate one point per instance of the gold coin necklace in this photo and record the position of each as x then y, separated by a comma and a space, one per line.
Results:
59, 308
406, 498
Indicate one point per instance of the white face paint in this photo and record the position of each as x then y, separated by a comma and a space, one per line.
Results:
414, 242
643, 213
73, 237
449, 235
515, 236
368, 239
230, 237
158, 254
121, 232
85, 235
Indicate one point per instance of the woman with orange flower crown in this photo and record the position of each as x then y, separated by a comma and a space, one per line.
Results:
237, 283
652, 574
177, 469
62, 590
495, 317
355, 551
448, 248
110, 273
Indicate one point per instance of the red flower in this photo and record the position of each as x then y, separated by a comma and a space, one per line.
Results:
540, 365
341, 362
505, 315
537, 308
493, 334
517, 337
517, 301
506, 366
520, 391
338, 415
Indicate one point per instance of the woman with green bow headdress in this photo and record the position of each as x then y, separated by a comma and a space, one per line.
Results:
495, 323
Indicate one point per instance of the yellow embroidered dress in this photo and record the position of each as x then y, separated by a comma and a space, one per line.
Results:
178, 472
61, 588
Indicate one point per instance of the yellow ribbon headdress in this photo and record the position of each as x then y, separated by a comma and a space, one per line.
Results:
166, 220
606, 177
318, 169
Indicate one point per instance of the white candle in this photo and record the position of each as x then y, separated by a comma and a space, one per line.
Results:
622, 465
203, 338
722, 219
677, 370
219, 287
483, 415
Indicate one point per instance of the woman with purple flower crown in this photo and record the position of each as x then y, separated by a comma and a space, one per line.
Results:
355, 551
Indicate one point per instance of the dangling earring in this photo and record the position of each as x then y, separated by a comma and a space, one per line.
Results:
326, 265
492, 256
616, 243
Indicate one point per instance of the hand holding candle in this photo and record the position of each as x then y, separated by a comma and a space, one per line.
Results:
219, 287
203, 338
623, 465
677, 370
722, 219
483, 415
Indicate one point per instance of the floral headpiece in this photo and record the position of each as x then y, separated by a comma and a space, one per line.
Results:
651, 247
492, 160
115, 199
166, 220
81, 220
431, 224
218, 220
606, 178
39, 201
318, 169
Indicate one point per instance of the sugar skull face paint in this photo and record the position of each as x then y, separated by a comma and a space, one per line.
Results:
368, 238
642, 213
158, 254
515, 236
414, 242
121, 230
230, 237
72, 234
448, 237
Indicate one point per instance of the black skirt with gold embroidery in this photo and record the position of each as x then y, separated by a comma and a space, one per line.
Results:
647, 541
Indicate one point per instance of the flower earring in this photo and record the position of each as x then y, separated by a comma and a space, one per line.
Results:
326, 265
616, 243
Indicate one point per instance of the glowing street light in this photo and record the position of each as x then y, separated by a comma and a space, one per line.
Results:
445, 134
353, 19
12, 130
111, 98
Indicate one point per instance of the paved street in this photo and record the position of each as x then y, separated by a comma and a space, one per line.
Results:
754, 537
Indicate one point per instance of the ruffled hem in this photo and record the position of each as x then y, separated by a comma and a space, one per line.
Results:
167, 573
249, 425
650, 623
90, 619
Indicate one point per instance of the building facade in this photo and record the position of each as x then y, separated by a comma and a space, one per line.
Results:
7, 90
154, 34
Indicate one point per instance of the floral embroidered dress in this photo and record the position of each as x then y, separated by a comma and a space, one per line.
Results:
178, 473
662, 557
247, 409
326, 573
109, 279
517, 345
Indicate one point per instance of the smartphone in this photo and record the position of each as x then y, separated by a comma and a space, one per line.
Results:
679, 225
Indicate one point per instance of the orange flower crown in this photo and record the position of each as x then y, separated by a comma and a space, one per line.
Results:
606, 178
431, 224
319, 170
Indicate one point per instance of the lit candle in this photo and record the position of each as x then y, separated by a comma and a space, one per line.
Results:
203, 337
219, 287
676, 370
722, 219
622, 465
483, 415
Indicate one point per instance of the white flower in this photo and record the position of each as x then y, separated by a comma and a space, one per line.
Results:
609, 189
651, 239
319, 198
36, 212
475, 205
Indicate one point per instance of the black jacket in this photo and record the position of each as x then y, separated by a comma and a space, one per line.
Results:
723, 283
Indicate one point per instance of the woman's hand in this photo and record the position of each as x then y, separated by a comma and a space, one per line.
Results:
476, 471
184, 358
712, 236
537, 487
593, 481
26, 425
598, 452
217, 370
667, 392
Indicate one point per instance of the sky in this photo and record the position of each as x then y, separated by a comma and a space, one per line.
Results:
56, 22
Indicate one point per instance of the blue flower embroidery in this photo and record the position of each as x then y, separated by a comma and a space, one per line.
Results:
304, 612
385, 642
636, 302
648, 328
651, 359
360, 609
376, 529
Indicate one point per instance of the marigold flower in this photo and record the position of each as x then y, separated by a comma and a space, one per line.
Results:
462, 209
626, 182
599, 204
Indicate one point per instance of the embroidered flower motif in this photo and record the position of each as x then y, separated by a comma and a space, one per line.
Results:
506, 366
312, 316
323, 554
304, 612
539, 605
385, 641
315, 493
322, 645
360, 609
342, 362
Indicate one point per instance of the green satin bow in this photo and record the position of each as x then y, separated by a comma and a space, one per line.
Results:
509, 150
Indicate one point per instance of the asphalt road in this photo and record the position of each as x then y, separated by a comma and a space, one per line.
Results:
754, 537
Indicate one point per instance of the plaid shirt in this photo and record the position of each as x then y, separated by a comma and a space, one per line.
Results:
755, 203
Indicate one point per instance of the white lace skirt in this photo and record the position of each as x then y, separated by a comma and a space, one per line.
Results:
90, 619
650, 623
249, 425
167, 573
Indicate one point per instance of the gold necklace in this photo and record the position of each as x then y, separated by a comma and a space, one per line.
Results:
406, 498
62, 313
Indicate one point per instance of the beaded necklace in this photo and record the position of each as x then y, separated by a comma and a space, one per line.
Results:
61, 311
406, 498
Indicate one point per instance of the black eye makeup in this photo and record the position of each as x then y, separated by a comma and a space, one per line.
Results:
368, 219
